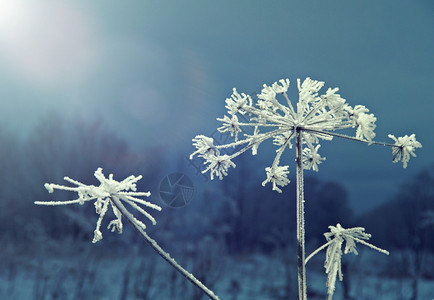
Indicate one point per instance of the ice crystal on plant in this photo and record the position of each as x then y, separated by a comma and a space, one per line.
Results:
230, 125
219, 165
365, 122
335, 239
315, 117
103, 195
311, 159
404, 147
236, 103
277, 176
204, 145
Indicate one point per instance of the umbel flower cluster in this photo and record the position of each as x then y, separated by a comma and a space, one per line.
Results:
316, 117
115, 193
335, 240
108, 193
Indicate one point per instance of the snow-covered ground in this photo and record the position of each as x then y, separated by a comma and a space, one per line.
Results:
94, 274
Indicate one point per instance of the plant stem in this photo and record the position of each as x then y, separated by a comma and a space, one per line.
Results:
166, 256
318, 250
302, 294
350, 138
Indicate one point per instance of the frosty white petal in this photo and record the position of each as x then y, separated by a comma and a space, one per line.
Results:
97, 236
311, 159
265, 105
281, 139
404, 147
277, 176
230, 125
308, 90
280, 89
333, 100
366, 126
365, 122
358, 109
333, 264
218, 165
204, 145
267, 93
115, 225
237, 102
49, 188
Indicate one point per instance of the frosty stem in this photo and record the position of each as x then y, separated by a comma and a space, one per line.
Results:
350, 138
318, 250
166, 256
302, 294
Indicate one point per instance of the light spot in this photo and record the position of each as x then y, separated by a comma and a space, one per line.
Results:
47, 43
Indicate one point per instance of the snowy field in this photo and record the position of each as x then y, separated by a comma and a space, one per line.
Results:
94, 273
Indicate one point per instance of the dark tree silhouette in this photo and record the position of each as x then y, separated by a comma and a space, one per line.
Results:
59, 147
405, 213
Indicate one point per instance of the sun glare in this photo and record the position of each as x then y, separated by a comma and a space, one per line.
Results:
47, 42
13, 16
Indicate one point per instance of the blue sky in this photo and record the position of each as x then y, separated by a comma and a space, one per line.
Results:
158, 72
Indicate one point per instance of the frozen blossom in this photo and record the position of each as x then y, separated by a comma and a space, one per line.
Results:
278, 176
280, 89
204, 145
335, 240
236, 103
230, 125
365, 122
108, 193
311, 159
315, 117
404, 147
218, 165
274, 116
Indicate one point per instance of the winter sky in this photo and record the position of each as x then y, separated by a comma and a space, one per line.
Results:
158, 72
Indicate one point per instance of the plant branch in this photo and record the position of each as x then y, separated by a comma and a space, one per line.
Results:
317, 250
166, 256
349, 137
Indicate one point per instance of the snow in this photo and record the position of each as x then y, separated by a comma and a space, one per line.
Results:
129, 273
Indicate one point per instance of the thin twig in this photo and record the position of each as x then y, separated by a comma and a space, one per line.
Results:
349, 137
318, 250
166, 256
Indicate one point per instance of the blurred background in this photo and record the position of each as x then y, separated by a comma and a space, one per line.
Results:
126, 85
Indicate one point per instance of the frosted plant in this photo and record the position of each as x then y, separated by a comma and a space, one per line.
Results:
115, 193
335, 239
108, 193
404, 147
313, 118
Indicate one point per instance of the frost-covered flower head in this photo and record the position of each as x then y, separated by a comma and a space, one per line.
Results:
313, 118
335, 239
109, 192
404, 147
